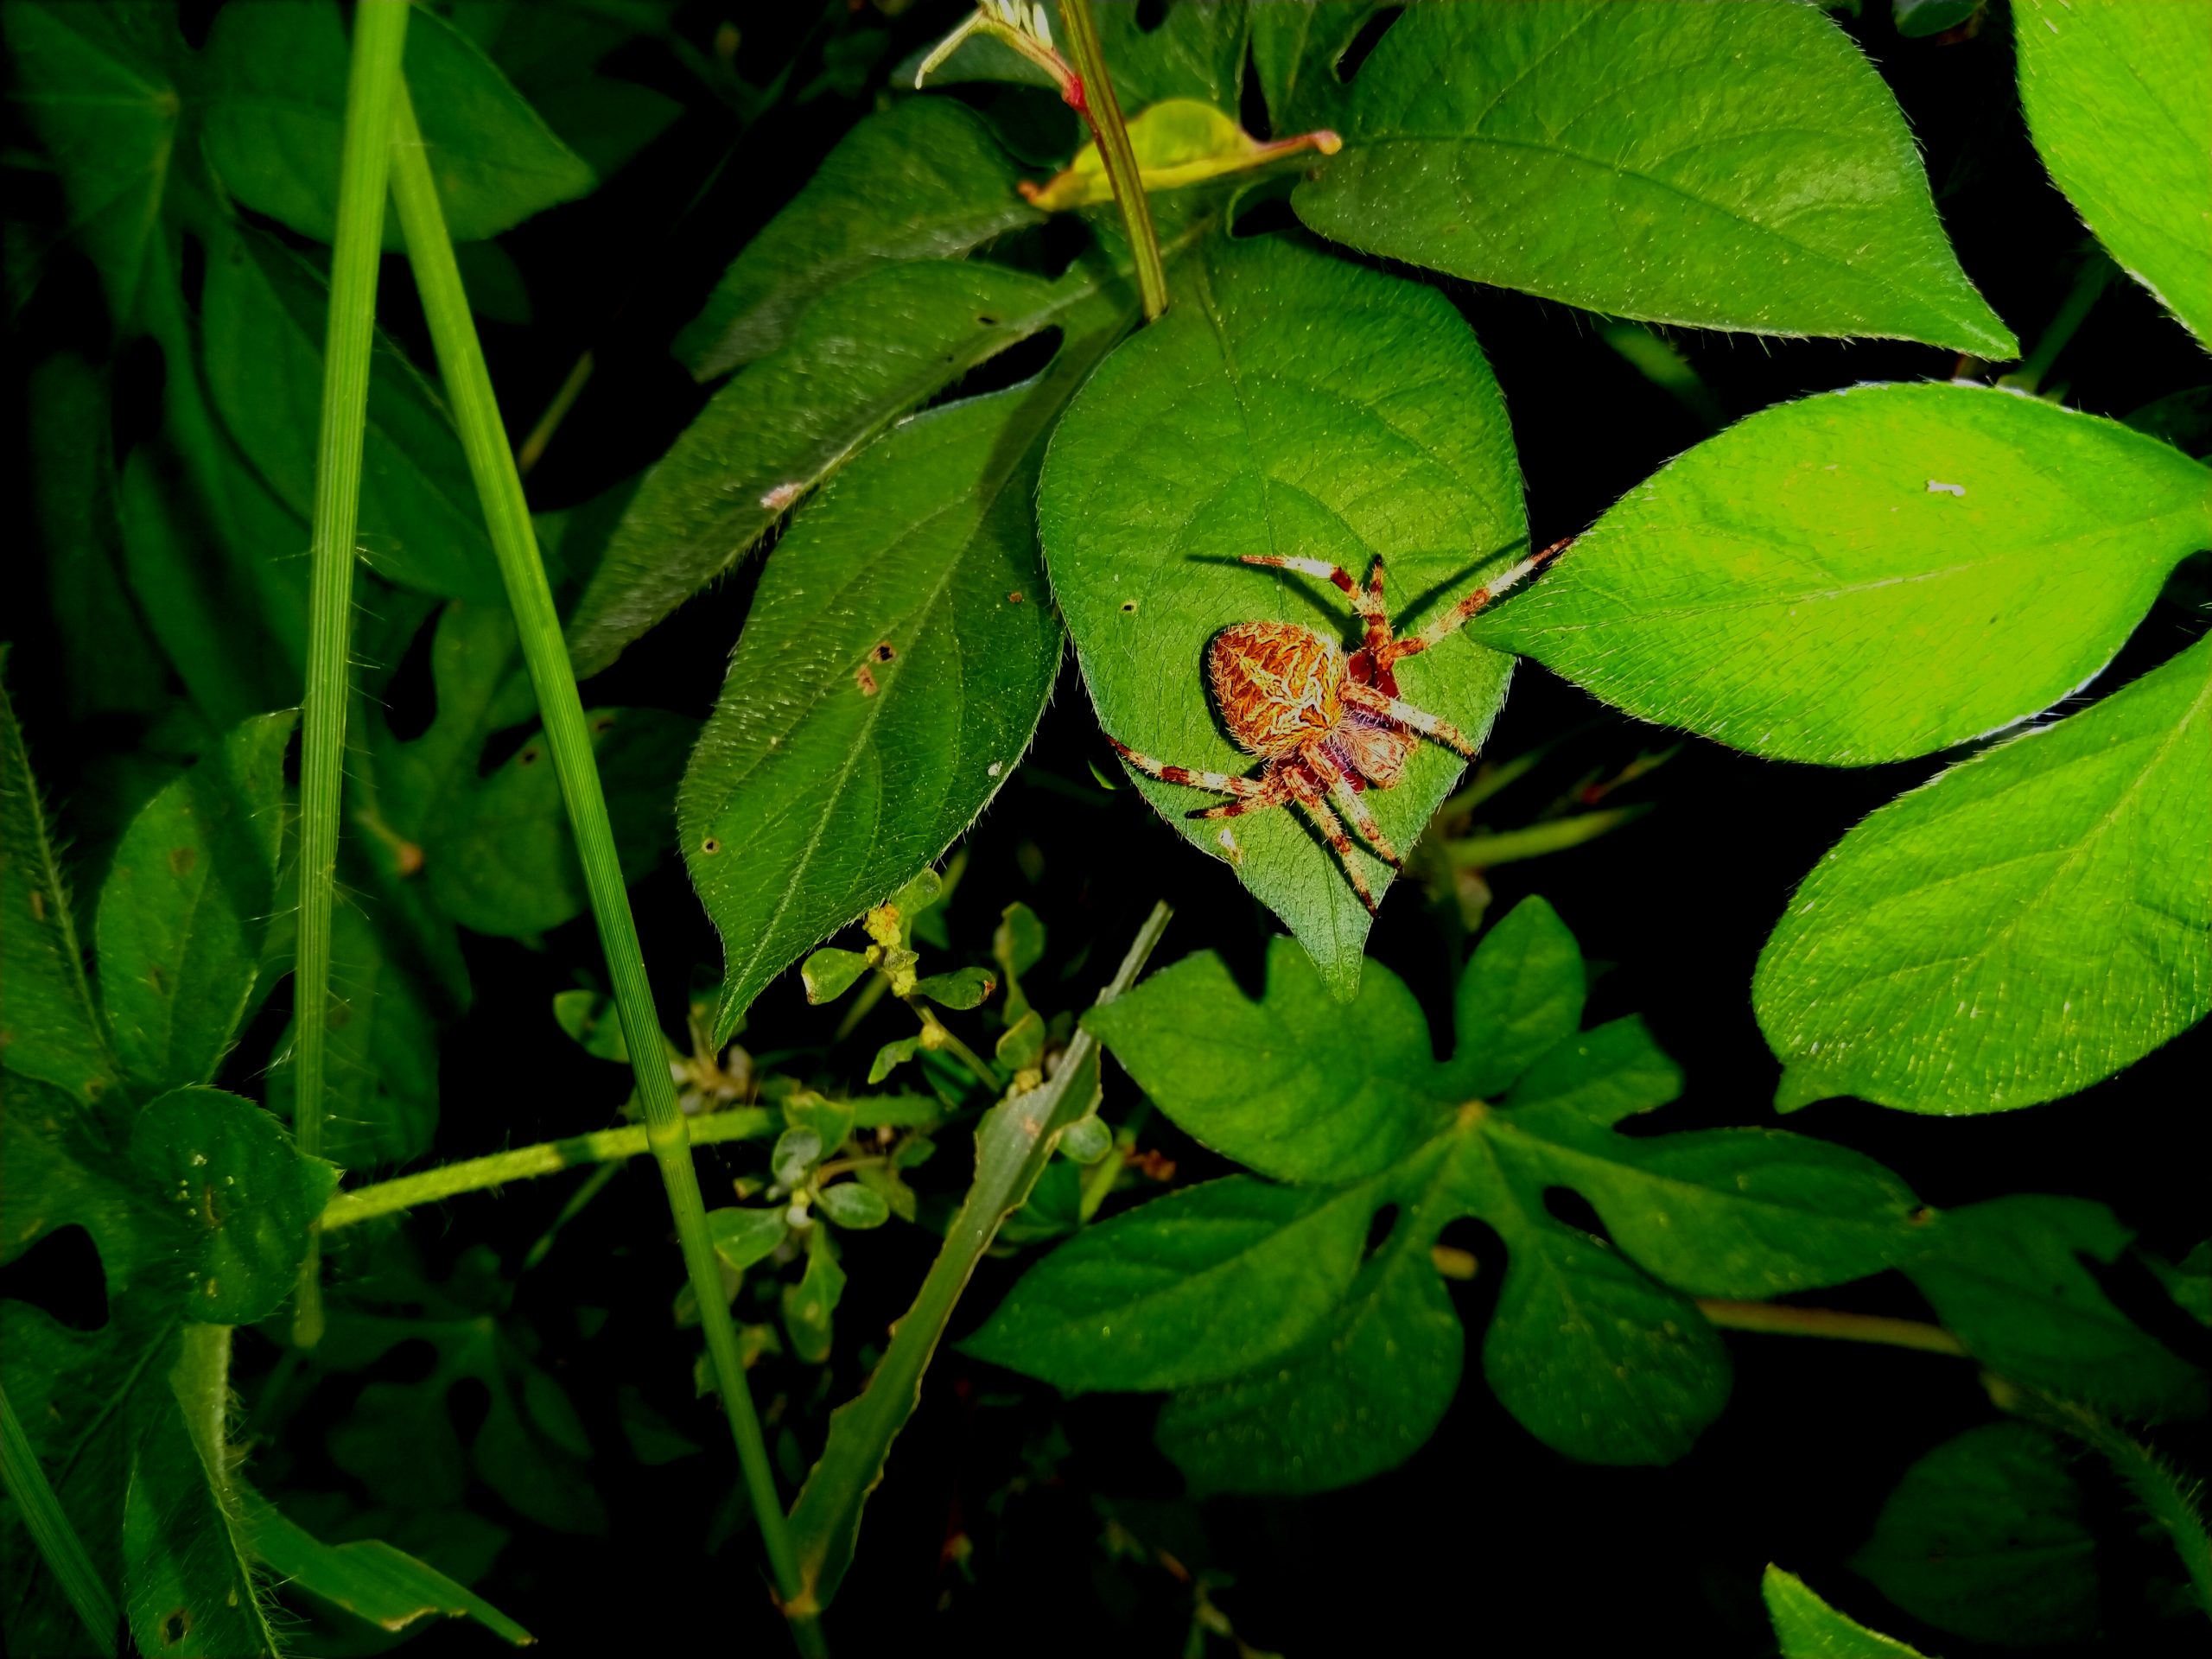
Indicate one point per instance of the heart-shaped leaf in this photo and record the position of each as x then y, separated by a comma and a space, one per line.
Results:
1733, 166
1289, 403
1869, 575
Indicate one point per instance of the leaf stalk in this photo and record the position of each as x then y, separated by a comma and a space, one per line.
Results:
1094, 99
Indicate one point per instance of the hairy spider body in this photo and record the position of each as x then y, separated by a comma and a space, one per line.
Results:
1327, 724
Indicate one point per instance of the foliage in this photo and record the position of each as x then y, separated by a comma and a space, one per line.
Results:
868, 404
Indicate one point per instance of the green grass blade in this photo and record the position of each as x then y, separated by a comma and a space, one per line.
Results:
49, 1528
468, 384
379, 39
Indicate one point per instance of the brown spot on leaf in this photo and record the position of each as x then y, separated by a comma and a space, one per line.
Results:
882, 653
711, 845
1128, 607
181, 859
529, 756
865, 680
38, 905
1014, 597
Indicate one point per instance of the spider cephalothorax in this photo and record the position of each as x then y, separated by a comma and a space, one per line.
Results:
1326, 724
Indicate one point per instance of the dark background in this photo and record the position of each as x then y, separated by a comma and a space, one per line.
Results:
1485, 1537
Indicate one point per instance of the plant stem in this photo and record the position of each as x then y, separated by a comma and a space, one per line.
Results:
506, 511
1780, 1320
379, 39
48, 1526
2089, 285
1015, 1141
533, 446
1098, 106
521, 1163
1481, 852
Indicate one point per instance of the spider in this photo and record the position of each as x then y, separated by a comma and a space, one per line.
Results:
1325, 723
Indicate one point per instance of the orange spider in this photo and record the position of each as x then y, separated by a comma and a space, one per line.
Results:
1325, 723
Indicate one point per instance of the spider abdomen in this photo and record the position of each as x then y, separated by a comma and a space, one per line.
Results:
1278, 685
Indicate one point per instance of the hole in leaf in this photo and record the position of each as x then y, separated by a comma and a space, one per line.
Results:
61, 1276
711, 845
1369, 36
1379, 1228
175, 1627
1265, 209
411, 696
1567, 1206
1010, 367
1151, 14
1251, 102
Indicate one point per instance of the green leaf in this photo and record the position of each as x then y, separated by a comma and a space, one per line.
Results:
2028, 923
1363, 1395
50, 1030
1296, 1085
891, 1055
809, 1306
2115, 99
503, 859
371, 1579
1522, 991
797, 1151
1984, 1537
894, 664
1022, 1044
273, 79
421, 526
744, 1237
1295, 50
1270, 413
849, 1204
1198, 1286
380, 1061
1869, 575
1597, 1077
923, 179
245, 1197
1188, 48
187, 907
829, 974
2007, 1278
190, 1587
593, 1023
867, 354
97, 84
1085, 1140
959, 990
1771, 187
1808, 1628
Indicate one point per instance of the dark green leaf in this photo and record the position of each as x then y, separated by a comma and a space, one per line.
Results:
1269, 413
2115, 97
1772, 188
810, 1305
1521, 992
187, 907
503, 859
274, 82
1360, 1397
1199, 1286
421, 526
1808, 1628
829, 974
1297, 1085
1085, 1140
891, 1055
894, 665
1600, 1075
1022, 1044
1869, 575
744, 1237
867, 354
51, 1029
1985, 1537
923, 179
2007, 1278
1296, 46
380, 1060
2028, 923
371, 1579
593, 1022
246, 1198
98, 88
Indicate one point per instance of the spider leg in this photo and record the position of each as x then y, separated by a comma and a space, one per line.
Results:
1458, 617
1367, 601
1347, 797
1220, 782
1442, 731
1308, 796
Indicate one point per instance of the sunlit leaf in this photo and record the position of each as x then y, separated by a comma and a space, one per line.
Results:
187, 905
273, 79
1522, 991
923, 179
1270, 412
1870, 575
1808, 1628
1735, 166
2116, 98
1177, 143
1985, 1537
2024, 925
